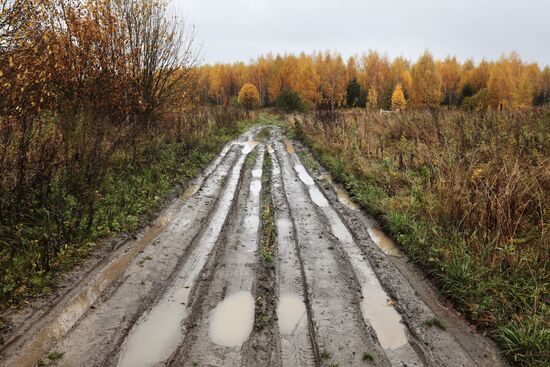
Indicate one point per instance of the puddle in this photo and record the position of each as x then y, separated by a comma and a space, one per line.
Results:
255, 187
384, 242
302, 173
289, 146
82, 301
159, 332
249, 146
190, 191
375, 305
290, 311
344, 198
383, 317
317, 196
257, 173
232, 320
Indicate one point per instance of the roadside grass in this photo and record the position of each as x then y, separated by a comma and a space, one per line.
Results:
135, 186
442, 187
367, 356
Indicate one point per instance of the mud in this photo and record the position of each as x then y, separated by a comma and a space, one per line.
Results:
194, 290
385, 243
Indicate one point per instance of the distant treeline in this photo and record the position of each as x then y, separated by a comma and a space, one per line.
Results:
326, 80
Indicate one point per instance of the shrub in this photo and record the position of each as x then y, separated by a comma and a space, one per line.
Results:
289, 101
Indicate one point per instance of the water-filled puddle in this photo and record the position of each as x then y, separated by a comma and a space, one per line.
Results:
190, 191
257, 173
290, 312
317, 196
344, 198
255, 187
161, 335
384, 242
249, 146
232, 320
303, 175
289, 146
383, 317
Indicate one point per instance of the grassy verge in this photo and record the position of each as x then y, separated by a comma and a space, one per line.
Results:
499, 281
132, 191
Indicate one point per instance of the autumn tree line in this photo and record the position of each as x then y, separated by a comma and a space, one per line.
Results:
324, 80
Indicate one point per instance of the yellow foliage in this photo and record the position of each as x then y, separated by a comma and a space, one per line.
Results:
398, 101
249, 97
372, 99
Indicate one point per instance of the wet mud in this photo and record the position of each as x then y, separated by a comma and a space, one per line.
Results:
195, 290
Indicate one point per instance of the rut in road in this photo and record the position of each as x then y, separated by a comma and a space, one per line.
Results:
198, 293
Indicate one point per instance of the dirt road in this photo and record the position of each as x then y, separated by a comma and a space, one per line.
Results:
193, 290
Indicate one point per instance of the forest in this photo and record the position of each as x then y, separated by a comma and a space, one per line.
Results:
324, 80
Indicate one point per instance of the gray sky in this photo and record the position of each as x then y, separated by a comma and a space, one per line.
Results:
240, 30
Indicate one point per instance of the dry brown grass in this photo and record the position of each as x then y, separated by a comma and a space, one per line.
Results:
468, 197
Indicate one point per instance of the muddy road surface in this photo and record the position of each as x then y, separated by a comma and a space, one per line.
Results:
196, 289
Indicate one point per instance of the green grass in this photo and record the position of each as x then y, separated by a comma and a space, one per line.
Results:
437, 323
367, 356
325, 354
55, 355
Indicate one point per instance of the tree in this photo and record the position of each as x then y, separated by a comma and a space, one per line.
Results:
426, 82
355, 94
249, 97
450, 71
372, 99
398, 101
289, 101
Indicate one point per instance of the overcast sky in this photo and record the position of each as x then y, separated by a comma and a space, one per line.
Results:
241, 30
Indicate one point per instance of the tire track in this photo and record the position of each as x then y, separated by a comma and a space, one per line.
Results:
437, 347
298, 347
376, 303
120, 291
224, 319
333, 292
159, 332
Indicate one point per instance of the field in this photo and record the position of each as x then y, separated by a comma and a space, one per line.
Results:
467, 196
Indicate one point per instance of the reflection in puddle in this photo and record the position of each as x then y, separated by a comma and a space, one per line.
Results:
290, 312
257, 173
159, 331
344, 198
302, 173
232, 320
384, 242
317, 197
289, 146
255, 186
384, 318
190, 191
249, 146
